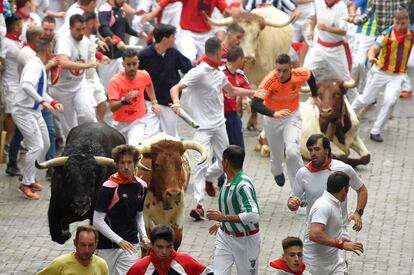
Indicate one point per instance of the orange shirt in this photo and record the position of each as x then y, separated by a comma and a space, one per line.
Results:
119, 86
278, 96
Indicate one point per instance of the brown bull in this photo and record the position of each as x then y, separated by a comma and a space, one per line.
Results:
336, 119
167, 181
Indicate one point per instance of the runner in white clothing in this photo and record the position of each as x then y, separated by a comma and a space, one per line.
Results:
311, 181
72, 50
79, 7
93, 83
27, 10
330, 57
205, 83
10, 48
323, 237
28, 117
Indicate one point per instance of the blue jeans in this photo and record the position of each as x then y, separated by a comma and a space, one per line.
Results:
14, 146
234, 132
234, 129
48, 117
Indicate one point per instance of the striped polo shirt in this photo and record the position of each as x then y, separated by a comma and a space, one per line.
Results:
394, 55
237, 197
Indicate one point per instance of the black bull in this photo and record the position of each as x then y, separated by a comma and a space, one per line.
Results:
78, 174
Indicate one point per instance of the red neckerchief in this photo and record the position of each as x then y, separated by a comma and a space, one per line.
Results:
332, 4
210, 62
120, 179
25, 16
162, 265
400, 37
281, 265
30, 45
325, 165
13, 36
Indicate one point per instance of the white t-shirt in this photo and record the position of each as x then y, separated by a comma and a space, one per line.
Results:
73, 9
91, 73
314, 184
9, 51
35, 75
25, 54
331, 17
326, 210
56, 6
77, 51
42, 6
206, 100
34, 20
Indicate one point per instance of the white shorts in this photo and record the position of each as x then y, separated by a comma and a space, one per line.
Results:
95, 87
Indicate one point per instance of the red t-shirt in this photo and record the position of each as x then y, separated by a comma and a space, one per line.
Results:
119, 86
238, 79
192, 15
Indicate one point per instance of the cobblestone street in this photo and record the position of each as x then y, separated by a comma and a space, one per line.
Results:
387, 234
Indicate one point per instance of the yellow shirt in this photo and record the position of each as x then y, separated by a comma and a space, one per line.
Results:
68, 265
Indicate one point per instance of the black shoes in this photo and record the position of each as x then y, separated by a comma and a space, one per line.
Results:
13, 170
280, 180
376, 138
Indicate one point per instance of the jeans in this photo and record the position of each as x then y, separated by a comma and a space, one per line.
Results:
48, 117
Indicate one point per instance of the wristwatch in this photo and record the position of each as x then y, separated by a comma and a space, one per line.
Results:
360, 211
124, 101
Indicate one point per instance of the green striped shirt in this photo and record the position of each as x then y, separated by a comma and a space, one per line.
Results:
237, 197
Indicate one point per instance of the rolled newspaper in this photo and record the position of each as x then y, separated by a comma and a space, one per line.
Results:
187, 119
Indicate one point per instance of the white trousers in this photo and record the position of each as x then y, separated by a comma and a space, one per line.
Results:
171, 15
328, 62
119, 262
107, 71
307, 10
78, 107
36, 136
166, 122
191, 44
217, 140
283, 136
243, 251
97, 90
134, 132
360, 57
378, 81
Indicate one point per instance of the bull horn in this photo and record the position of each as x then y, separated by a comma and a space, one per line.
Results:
143, 149
60, 161
143, 167
275, 24
190, 144
104, 161
220, 22
352, 83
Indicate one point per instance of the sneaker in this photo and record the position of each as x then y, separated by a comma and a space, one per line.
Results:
27, 192
210, 190
406, 94
280, 179
36, 186
197, 213
13, 170
376, 138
